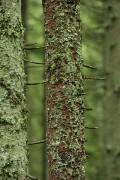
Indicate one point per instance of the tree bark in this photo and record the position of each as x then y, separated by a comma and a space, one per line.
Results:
110, 131
65, 135
13, 119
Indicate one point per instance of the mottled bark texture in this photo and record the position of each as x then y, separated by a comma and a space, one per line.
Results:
65, 135
13, 159
110, 131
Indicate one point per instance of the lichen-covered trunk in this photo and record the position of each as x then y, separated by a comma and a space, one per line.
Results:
65, 133
13, 154
110, 131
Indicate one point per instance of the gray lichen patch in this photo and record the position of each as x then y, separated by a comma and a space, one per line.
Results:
13, 118
66, 154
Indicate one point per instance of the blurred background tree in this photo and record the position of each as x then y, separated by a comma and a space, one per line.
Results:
92, 50
110, 135
33, 20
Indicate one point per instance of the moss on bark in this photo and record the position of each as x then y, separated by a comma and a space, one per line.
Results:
65, 137
13, 153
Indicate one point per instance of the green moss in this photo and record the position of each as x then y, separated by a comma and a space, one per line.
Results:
13, 158
66, 152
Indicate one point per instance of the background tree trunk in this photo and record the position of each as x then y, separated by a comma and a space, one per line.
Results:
65, 135
110, 132
92, 51
36, 93
13, 154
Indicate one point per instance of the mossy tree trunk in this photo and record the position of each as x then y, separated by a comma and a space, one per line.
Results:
13, 158
65, 136
110, 132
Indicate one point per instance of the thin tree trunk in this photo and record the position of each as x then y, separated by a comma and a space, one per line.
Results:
110, 132
65, 137
13, 158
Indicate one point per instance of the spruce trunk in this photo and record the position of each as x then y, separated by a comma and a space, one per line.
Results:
13, 158
65, 134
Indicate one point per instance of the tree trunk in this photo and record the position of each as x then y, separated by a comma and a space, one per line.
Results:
13, 154
110, 132
65, 137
